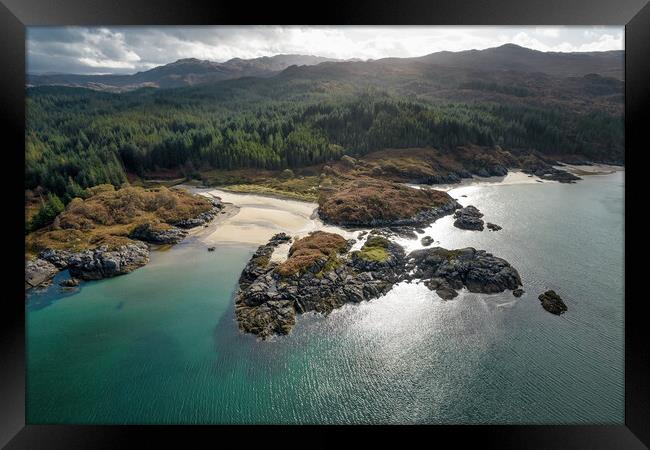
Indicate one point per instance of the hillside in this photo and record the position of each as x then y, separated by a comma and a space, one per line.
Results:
308, 115
184, 72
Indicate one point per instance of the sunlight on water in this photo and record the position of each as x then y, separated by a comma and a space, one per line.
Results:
161, 345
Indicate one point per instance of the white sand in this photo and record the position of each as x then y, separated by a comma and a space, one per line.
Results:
259, 217
254, 219
513, 177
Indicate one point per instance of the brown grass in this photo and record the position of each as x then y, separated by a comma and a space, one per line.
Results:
304, 253
109, 215
364, 201
418, 164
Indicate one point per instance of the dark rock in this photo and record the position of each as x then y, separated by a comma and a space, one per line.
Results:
70, 282
493, 227
267, 302
477, 270
482, 172
446, 293
545, 171
38, 271
561, 176
518, 292
149, 233
104, 263
468, 218
57, 257
211, 249
404, 232
498, 171
202, 218
552, 302
426, 241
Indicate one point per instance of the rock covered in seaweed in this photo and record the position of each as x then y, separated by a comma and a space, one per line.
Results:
493, 226
469, 218
552, 302
321, 274
477, 270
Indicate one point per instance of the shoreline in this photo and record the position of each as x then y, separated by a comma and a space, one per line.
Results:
255, 218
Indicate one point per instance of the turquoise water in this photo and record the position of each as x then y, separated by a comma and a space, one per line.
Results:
161, 345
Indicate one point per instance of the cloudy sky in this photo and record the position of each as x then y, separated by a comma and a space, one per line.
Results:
132, 49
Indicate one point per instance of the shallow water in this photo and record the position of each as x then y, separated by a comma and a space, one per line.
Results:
161, 345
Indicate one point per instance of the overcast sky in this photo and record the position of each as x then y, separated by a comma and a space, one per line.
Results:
132, 49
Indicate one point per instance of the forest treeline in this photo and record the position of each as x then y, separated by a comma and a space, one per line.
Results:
77, 138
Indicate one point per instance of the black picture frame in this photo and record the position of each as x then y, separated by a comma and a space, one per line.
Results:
15, 15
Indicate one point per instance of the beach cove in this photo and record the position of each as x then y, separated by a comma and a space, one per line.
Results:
161, 345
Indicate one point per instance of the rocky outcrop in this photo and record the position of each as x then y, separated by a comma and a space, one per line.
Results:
103, 262
495, 170
426, 241
57, 257
493, 226
534, 165
70, 282
552, 302
518, 292
157, 234
469, 218
269, 299
38, 271
203, 218
446, 270
379, 203
558, 175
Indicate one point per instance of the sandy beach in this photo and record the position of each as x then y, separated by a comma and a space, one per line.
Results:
254, 219
513, 177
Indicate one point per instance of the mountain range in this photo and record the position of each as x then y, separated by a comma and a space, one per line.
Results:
433, 71
184, 72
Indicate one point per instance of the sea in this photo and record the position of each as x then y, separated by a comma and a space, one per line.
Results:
161, 344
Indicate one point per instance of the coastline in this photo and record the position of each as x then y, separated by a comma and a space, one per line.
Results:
255, 218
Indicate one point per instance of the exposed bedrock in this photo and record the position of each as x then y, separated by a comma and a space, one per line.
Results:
469, 218
321, 274
552, 302
103, 262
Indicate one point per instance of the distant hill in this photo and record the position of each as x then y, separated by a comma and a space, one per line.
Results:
435, 70
521, 59
184, 72
292, 111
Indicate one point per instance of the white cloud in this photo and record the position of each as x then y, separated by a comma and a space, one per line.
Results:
130, 49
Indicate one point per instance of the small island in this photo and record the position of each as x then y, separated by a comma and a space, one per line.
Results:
322, 273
